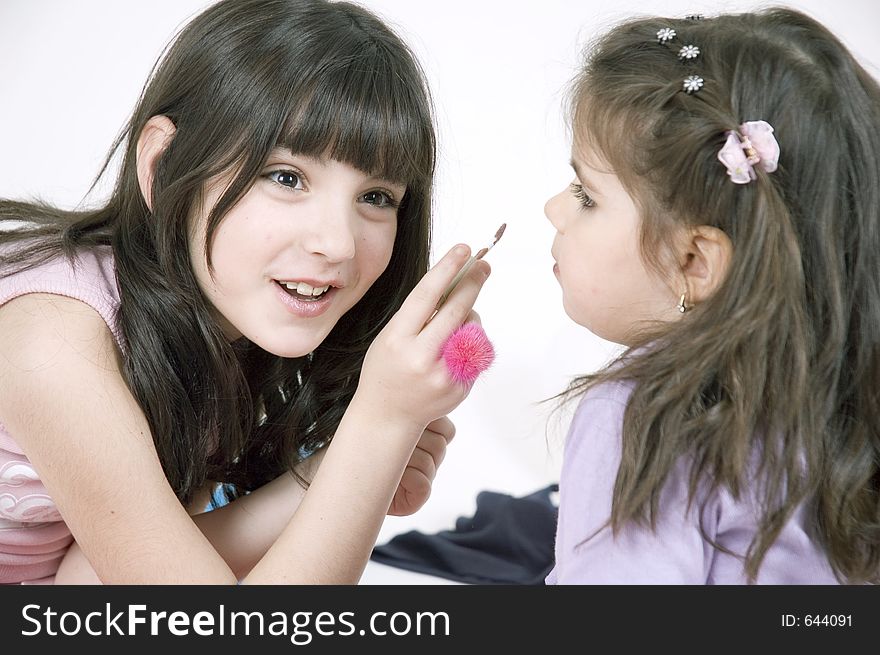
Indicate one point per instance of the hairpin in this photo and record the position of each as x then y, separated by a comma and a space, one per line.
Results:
692, 84
754, 145
665, 35
694, 17
687, 53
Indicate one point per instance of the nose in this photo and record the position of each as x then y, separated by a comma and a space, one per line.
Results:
332, 233
553, 210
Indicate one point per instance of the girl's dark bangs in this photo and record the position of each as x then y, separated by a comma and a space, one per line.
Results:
363, 116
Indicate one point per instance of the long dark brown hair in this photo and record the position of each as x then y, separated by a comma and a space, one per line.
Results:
782, 365
245, 76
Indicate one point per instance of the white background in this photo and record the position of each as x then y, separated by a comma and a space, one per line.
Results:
71, 72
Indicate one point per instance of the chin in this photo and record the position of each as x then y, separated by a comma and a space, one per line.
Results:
289, 348
593, 327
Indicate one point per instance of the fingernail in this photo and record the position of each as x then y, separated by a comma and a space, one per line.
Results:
460, 250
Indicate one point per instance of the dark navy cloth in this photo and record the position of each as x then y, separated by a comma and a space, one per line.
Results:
507, 541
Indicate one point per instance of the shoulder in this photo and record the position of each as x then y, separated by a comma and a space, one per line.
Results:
593, 450
598, 419
35, 320
50, 344
65, 402
63, 395
89, 277
587, 550
611, 396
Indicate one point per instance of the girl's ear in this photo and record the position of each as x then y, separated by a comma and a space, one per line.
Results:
705, 261
153, 140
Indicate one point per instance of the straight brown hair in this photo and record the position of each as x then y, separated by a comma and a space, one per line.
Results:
776, 378
242, 78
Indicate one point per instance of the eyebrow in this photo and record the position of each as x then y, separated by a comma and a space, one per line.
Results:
580, 175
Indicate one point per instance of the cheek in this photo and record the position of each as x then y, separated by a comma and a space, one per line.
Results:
376, 247
230, 249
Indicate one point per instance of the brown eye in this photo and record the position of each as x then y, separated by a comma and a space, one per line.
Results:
286, 178
378, 199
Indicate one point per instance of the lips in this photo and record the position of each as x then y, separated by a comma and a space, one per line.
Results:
305, 306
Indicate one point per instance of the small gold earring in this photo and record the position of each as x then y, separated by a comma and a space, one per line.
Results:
681, 306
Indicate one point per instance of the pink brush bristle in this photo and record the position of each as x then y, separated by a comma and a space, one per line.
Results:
467, 353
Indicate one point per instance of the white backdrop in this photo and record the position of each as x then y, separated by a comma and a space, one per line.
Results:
70, 73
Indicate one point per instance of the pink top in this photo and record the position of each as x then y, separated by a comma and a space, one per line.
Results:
33, 536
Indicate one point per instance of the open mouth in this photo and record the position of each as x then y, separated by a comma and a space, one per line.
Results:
303, 291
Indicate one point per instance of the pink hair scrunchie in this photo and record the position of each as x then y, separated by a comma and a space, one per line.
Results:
754, 145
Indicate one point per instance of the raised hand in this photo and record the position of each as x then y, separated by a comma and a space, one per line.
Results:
403, 377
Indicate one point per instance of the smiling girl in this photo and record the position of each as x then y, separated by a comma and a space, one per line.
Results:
241, 302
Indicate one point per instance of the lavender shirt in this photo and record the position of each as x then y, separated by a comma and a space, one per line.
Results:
676, 553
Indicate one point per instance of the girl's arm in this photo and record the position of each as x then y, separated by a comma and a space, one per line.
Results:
243, 531
63, 395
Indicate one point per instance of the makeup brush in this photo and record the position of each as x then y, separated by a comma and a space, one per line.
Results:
468, 352
467, 266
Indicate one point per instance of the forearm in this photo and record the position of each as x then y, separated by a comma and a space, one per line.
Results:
243, 530
331, 535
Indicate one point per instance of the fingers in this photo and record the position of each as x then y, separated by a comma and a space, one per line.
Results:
419, 306
413, 493
458, 307
425, 462
415, 483
442, 426
431, 448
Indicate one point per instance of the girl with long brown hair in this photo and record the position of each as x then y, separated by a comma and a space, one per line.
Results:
237, 312
724, 226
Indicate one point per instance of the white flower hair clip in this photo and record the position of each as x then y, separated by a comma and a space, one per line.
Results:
687, 54
692, 84
754, 145
665, 35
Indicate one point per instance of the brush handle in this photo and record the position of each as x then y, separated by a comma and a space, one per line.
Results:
464, 269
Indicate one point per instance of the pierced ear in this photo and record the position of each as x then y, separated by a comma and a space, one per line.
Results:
153, 140
705, 261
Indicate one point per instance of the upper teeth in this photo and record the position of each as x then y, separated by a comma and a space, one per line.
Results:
304, 289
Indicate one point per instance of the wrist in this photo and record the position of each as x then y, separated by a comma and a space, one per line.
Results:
384, 418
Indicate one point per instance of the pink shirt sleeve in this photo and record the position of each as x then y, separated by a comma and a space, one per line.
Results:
91, 279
